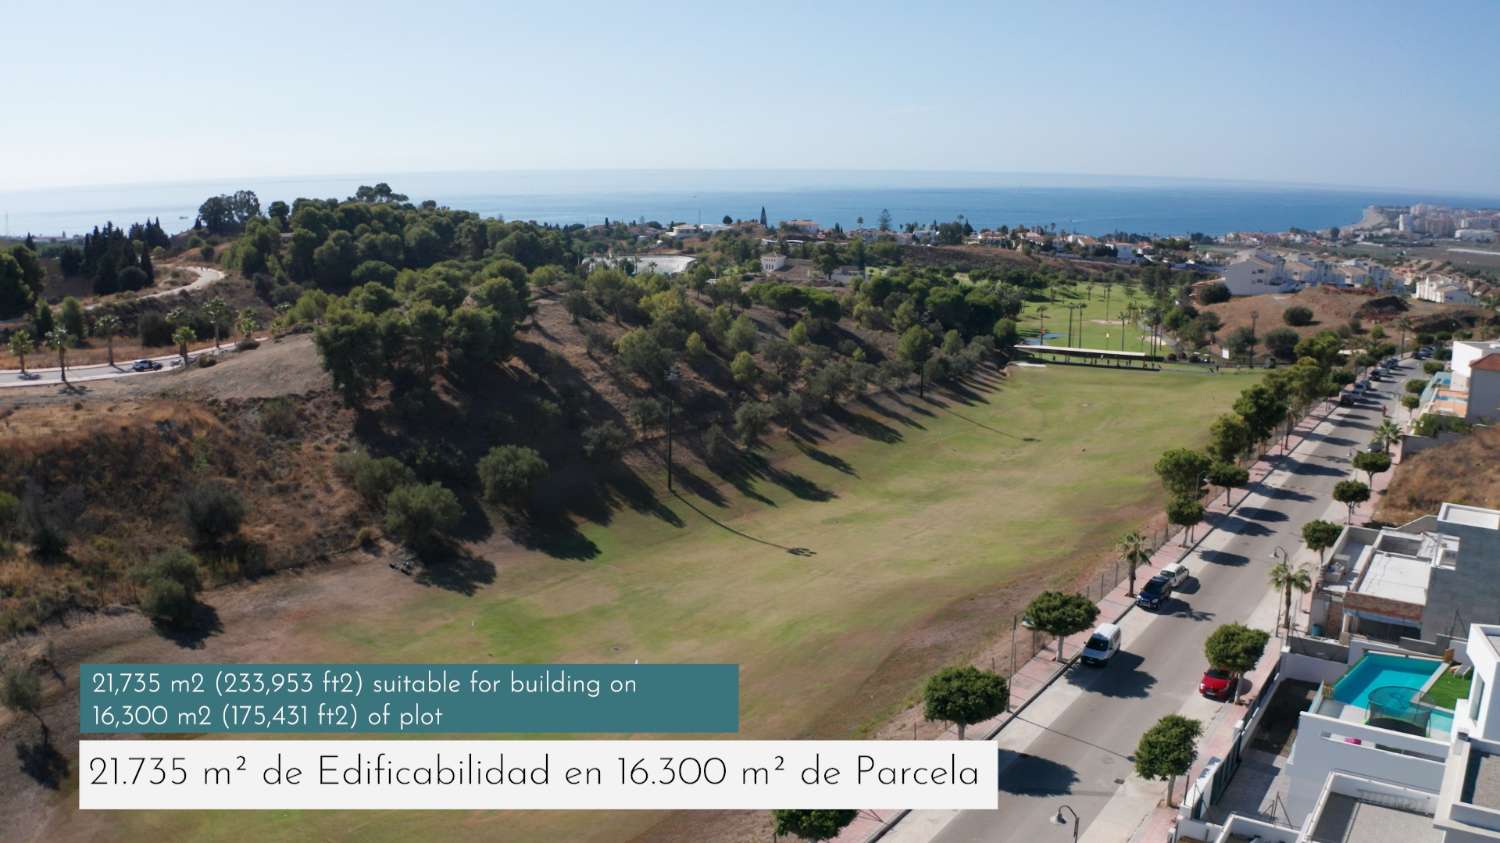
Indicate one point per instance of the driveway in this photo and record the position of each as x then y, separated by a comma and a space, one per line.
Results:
1074, 744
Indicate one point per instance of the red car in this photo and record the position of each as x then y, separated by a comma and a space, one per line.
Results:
1217, 684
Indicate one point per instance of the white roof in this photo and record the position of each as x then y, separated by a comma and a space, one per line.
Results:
1106, 629
1470, 516
1396, 577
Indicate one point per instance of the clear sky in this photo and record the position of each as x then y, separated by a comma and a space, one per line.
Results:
1374, 94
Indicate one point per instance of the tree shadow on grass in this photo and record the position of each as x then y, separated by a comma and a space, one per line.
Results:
42, 762
821, 456
884, 410
699, 486
457, 571
190, 636
556, 536
863, 425
795, 551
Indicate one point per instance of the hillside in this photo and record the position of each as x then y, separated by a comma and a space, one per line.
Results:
1461, 471
1333, 308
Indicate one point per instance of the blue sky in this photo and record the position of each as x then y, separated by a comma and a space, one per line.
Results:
1360, 94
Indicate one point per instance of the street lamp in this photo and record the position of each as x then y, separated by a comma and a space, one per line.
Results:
1059, 819
672, 378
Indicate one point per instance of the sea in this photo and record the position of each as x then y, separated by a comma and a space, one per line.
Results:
1085, 204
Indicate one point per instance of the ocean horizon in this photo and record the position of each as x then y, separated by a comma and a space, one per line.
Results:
1086, 204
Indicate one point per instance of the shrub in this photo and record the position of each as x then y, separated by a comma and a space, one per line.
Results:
508, 473
418, 514
168, 602
214, 512
48, 542
605, 441
717, 447
751, 419
10, 515
1282, 342
1298, 315
20, 690
1415, 387
1432, 367
278, 417
154, 329
374, 478
1213, 293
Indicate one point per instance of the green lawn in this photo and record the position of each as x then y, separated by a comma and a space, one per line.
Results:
1448, 690
1098, 320
908, 525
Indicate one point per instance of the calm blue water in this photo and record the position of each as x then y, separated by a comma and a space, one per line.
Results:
1088, 205
1378, 670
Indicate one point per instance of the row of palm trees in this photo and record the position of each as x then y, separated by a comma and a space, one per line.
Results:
109, 326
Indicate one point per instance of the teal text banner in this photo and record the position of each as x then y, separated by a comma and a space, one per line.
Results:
408, 698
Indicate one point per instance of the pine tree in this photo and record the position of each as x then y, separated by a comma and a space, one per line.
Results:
763, 217
30, 242
146, 266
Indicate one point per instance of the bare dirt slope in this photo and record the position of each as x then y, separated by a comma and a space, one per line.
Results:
1462, 471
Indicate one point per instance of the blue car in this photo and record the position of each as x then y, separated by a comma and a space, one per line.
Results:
1155, 592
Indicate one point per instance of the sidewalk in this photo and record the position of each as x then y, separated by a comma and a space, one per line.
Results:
1042, 669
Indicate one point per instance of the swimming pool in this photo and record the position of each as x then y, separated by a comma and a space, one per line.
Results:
1383, 670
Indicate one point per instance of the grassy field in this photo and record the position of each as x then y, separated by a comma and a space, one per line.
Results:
1099, 320
899, 527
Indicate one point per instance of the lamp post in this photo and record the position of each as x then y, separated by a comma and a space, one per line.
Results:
1059, 819
672, 377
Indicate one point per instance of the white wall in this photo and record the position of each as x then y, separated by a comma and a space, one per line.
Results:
1321, 749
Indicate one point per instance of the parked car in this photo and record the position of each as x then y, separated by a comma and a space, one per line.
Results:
1176, 572
1105, 642
145, 366
1216, 684
1154, 593
1347, 399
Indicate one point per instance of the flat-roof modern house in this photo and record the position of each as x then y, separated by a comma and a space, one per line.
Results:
1256, 271
1425, 580
1382, 757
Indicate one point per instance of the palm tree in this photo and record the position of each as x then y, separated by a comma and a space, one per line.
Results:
21, 344
58, 340
247, 323
1387, 434
1041, 325
108, 326
1133, 550
1286, 577
182, 336
218, 313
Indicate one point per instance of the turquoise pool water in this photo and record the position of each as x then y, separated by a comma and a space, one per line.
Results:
1382, 670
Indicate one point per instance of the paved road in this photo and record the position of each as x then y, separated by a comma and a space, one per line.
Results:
52, 376
1085, 726
207, 277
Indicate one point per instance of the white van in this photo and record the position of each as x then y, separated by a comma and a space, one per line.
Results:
1105, 642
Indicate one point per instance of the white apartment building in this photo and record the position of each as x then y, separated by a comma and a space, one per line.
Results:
1440, 289
1256, 271
1476, 372
1474, 235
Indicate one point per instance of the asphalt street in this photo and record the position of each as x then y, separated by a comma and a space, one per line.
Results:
1085, 733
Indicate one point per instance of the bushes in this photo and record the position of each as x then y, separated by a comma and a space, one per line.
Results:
278, 417
1298, 316
170, 588
718, 448
417, 514
214, 512
375, 478
1415, 387
1213, 293
508, 473
605, 441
